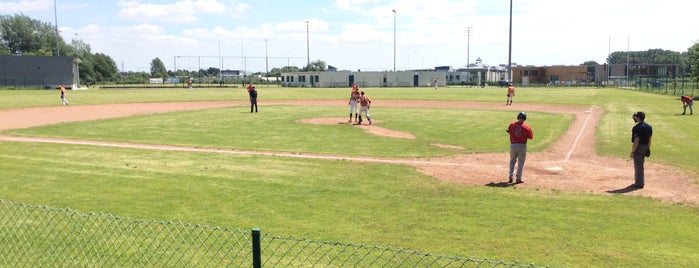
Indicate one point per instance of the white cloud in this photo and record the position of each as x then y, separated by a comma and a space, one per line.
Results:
25, 6
182, 11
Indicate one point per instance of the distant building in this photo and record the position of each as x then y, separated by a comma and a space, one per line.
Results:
415, 78
39, 71
477, 74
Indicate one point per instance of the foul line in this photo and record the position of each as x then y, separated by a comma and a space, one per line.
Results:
577, 138
229, 151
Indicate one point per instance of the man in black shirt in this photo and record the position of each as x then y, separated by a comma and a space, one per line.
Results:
641, 135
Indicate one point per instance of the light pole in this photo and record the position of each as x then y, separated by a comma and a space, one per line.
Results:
266, 64
308, 50
58, 35
509, 55
394, 40
468, 50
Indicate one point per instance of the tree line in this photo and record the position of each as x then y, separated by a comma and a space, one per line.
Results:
22, 35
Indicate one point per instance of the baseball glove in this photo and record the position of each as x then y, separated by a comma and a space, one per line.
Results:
648, 153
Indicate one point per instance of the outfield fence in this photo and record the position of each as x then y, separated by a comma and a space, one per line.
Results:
676, 86
40, 236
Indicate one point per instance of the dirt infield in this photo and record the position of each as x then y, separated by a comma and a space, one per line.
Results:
570, 165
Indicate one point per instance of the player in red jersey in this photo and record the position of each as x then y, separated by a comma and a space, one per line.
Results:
687, 101
520, 133
510, 93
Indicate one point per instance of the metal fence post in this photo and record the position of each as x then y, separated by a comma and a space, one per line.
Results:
256, 249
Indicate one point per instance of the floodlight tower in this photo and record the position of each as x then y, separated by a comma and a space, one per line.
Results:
394, 40
58, 35
468, 50
509, 56
308, 50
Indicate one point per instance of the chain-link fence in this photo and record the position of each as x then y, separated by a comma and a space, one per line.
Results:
39, 236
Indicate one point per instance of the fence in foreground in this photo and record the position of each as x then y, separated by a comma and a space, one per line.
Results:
39, 236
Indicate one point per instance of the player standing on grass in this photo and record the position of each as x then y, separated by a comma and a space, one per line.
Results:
520, 133
189, 83
250, 87
64, 95
253, 98
364, 103
510, 93
687, 101
353, 101
641, 135
436, 83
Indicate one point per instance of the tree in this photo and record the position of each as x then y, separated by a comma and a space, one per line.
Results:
23, 35
277, 72
316, 66
694, 61
105, 67
157, 69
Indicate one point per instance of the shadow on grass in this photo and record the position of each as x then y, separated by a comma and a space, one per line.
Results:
500, 184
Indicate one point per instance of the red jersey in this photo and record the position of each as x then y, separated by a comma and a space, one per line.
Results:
364, 101
250, 87
687, 99
520, 132
511, 90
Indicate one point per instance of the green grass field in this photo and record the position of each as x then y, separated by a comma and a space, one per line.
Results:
368, 203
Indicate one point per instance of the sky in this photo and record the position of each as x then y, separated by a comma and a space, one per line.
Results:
366, 35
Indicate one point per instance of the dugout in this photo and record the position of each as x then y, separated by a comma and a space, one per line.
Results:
39, 71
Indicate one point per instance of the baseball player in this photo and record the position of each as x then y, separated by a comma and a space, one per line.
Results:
436, 83
253, 98
364, 103
510, 93
189, 83
64, 95
353, 101
520, 133
687, 101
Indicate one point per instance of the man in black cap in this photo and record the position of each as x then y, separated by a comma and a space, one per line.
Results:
641, 135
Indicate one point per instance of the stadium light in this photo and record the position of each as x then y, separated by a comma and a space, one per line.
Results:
468, 50
394, 40
308, 50
58, 35
266, 64
509, 55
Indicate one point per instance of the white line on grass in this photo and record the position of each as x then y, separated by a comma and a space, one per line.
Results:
228, 151
577, 138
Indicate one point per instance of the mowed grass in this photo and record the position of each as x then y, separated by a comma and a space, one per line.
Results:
380, 204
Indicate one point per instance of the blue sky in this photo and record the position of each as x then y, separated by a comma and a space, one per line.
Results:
359, 34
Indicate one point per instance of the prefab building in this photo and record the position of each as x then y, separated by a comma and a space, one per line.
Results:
418, 78
39, 71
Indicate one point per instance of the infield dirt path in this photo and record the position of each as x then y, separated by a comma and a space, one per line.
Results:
570, 165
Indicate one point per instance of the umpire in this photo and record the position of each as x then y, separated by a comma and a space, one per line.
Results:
641, 135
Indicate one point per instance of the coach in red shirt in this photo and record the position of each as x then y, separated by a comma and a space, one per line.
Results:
519, 134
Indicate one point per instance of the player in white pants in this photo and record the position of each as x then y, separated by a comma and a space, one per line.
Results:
364, 103
353, 103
